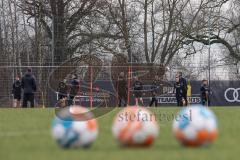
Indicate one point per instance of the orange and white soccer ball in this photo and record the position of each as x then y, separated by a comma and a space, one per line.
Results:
195, 126
74, 127
135, 126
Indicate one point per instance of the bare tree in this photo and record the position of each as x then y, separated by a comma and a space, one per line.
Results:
66, 18
223, 28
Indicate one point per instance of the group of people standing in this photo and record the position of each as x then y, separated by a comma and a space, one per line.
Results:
67, 90
27, 86
180, 91
137, 90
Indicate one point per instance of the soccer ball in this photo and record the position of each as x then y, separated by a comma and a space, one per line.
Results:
74, 127
195, 126
135, 126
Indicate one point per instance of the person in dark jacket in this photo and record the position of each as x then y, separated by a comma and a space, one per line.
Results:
205, 93
122, 90
137, 91
62, 93
178, 92
17, 92
29, 88
184, 88
74, 88
154, 89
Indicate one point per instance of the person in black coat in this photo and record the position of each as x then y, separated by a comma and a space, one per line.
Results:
29, 88
62, 93
122, 90
154, 88
17, 92
205, 93
74, 88
184, 88
178, 92
137, 91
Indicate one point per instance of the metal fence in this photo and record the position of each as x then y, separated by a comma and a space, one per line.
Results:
48, 77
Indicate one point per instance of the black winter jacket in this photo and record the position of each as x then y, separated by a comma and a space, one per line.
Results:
29, 84
16, 88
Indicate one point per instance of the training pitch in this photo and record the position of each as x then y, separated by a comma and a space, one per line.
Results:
25, 135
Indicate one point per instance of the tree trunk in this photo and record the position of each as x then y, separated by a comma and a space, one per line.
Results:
1, 40
13, 51
18, 56
153, 54
125, 30
146, 31
59, 32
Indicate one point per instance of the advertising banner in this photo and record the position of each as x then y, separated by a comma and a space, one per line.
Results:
104, 94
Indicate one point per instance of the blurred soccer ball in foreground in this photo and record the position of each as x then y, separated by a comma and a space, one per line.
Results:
195, 126
135, 126
74, 127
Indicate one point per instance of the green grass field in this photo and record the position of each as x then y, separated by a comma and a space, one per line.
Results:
25, 135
